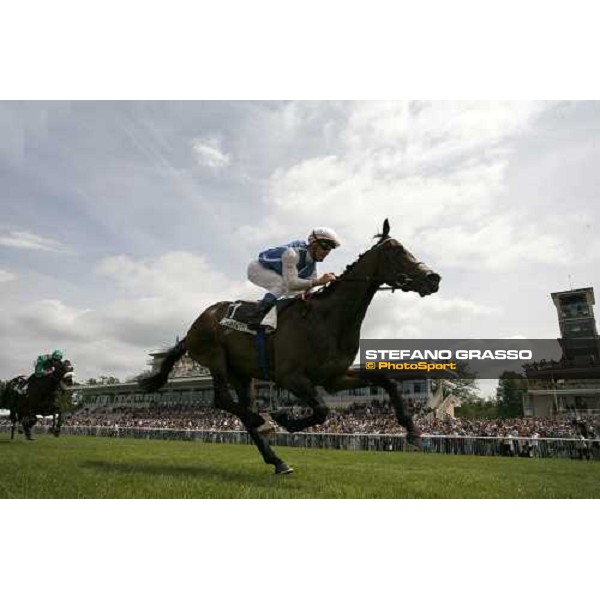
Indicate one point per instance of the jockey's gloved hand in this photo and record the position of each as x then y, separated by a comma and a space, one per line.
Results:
325, 278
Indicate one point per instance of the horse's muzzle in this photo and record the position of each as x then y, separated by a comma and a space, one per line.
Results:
430, 284
424, 284
67, 380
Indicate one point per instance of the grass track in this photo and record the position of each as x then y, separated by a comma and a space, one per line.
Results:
87, 467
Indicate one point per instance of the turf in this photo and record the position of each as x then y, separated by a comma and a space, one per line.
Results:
87, 467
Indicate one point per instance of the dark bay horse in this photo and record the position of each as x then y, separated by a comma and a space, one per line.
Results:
315, 343
26, 398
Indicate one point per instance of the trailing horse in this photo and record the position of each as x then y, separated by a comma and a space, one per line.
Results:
26, 398
315, 343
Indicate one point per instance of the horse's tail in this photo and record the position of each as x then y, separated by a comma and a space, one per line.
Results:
156, 381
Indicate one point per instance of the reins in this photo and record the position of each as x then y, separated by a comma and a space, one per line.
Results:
367, 278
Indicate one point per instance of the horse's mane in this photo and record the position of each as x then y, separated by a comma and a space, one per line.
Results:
326, 290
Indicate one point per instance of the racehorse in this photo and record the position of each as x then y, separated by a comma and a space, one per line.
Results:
28, 397
315, 342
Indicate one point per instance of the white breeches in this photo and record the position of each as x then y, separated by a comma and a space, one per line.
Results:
267, 279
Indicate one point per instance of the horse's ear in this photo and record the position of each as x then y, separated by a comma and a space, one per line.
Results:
386, 229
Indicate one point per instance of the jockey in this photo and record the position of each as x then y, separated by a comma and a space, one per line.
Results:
44, 365
291, 268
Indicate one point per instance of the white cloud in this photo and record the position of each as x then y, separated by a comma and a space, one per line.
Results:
408, 316
502, 243
153, 301
6, 276
31, 241
160, 298
172, 275
427, 166
208, 153
419, 134
51, 317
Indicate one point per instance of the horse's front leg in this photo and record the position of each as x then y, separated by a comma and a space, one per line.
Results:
403, 414
355, 380
306, 392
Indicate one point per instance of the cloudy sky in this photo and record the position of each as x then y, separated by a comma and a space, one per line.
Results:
122, 221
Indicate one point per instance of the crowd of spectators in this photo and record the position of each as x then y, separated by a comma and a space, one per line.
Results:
374, 418
159, 418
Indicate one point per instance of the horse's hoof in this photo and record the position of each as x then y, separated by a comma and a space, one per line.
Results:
283, 469
414, 442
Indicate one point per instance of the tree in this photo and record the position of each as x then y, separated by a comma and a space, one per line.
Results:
464, 386
478, 409
509, 394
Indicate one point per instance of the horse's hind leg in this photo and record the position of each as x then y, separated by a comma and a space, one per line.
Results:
225, 401
250, 420
242, 388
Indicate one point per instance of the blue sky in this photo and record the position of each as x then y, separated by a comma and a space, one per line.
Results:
121, 221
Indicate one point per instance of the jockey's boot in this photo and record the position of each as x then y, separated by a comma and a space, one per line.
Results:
264, 306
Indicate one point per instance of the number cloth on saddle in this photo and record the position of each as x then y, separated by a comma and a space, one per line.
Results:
242, 312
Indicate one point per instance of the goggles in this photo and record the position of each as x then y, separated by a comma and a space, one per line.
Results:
326, 244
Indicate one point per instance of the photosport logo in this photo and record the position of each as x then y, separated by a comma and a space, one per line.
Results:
485, 359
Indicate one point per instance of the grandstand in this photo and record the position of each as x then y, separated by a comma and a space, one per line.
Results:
571, 385
190, 386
